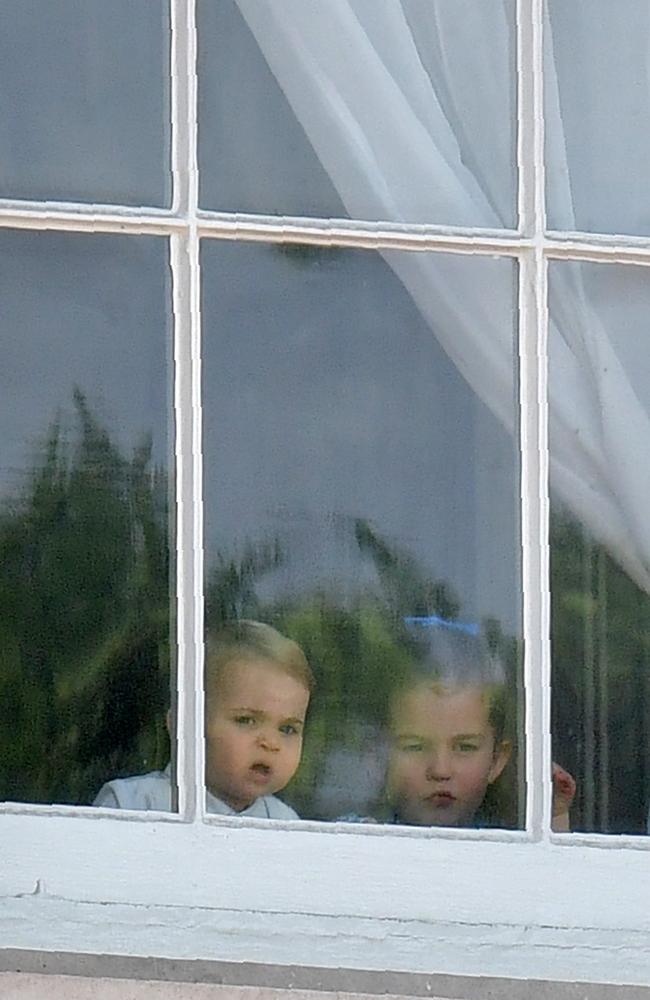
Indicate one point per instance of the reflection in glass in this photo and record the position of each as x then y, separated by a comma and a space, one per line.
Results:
85, 101
597, 115
600, 539
84, 549
402, 111
361, 487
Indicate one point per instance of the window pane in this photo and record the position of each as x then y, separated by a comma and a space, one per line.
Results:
85, 110
361, 491
401, 110
600, 539
84, 552
598, 115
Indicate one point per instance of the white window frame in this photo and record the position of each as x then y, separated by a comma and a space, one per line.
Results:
520, 903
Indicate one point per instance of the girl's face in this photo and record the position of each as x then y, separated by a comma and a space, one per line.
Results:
443, 754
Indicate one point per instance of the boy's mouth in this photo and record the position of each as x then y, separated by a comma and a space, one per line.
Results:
260, 771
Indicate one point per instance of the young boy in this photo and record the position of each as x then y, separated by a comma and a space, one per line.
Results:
258, 684
447, 729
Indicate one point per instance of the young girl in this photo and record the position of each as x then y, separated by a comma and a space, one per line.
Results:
448, 735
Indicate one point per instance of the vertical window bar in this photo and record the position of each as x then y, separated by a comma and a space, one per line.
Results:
589, 684
180, 138
533, 428
185, 265
603, 691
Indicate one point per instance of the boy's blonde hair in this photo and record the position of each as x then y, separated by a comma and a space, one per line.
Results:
246, 639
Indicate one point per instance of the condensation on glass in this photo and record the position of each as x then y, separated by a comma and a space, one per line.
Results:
85, 112
361, 497
402, 112
85, 474
597, 115
600, 539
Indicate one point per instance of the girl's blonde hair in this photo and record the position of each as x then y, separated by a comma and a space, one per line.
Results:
448, 659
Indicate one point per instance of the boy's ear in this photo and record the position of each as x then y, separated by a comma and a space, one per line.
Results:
502, 752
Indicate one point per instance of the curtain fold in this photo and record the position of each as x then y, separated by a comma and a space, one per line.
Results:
402, 126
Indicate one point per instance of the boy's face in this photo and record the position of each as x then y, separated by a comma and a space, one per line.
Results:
443, 755
254, 727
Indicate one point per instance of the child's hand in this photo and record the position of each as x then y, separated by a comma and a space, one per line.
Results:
564, 790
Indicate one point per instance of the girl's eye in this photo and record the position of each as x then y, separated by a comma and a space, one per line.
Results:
467, 747
245, 720
289, 730
412, 747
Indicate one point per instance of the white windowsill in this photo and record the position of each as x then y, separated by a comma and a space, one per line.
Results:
339, 900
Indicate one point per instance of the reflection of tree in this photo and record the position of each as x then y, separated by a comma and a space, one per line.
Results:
230, 592
408, 590
84, 618
601, 680
84, 624
359, 648
84, 627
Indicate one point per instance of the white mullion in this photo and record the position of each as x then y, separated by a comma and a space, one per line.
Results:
326, 227
526, 101
66, 217
198, 769
585, 249
182, 751
180, 139
605, 242
184, 540
359, 236
534, 414
189, 714
353, 232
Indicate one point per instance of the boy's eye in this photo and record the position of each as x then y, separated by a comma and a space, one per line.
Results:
244, 720
288, 729
467, 747
413, 747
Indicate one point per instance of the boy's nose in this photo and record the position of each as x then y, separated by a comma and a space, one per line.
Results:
268, 741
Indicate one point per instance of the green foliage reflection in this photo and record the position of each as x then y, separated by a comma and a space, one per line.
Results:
85, 626
84, 651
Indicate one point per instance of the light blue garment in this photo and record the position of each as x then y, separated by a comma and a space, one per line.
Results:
153, 791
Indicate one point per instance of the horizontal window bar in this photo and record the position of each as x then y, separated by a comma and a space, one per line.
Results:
610, 841
581, 246
376, 829
86, 812
110, 219
375, 238
88, 218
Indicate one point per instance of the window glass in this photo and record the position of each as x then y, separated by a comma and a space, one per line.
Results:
598, 115
401, 110
361, 497
85, 101
84, 526
600, 539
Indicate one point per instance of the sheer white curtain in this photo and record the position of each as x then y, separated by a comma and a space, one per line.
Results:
598, 424
398, 99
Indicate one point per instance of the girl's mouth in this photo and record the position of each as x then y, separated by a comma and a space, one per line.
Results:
442, 799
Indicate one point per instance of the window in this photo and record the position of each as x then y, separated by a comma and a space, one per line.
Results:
284, 270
